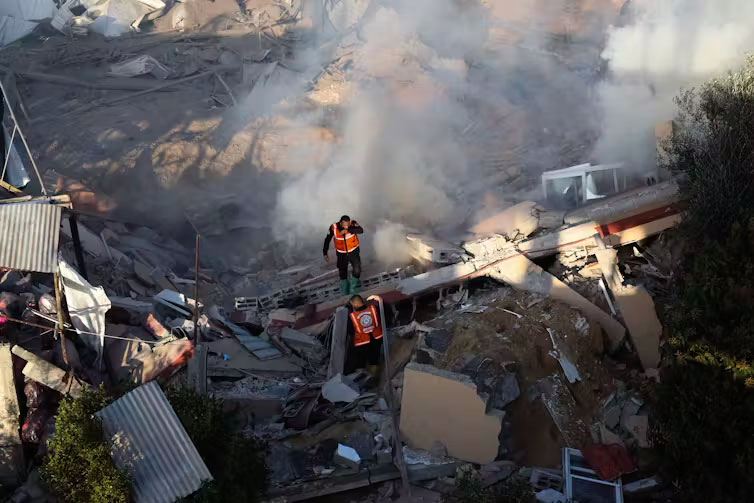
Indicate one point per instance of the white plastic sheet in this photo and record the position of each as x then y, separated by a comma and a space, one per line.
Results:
87, 306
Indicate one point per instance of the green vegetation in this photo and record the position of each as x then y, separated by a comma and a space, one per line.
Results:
78, 468
469, 490
702, 410
235, 461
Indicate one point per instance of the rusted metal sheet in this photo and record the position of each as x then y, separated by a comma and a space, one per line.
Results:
151, 444
29, 236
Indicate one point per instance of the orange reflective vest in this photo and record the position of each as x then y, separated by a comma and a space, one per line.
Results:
365, 324
344, 241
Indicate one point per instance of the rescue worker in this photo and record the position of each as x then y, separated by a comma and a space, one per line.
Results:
365, 336
346, 242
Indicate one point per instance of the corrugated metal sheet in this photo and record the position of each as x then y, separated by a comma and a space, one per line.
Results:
29, 236
152, 445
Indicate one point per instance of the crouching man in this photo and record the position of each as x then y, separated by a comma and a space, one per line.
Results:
364, 335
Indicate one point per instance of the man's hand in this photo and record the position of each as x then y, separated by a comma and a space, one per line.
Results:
327, 258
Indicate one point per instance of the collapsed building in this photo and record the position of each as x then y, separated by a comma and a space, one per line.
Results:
519, 348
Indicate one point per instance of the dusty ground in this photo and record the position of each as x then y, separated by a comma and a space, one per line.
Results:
505, 338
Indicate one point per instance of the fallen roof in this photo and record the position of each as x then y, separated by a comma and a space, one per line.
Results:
151, 444
29, 236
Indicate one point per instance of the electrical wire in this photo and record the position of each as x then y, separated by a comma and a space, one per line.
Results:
75, 331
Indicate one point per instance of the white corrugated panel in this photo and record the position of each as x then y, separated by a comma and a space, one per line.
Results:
151, 444
29, 236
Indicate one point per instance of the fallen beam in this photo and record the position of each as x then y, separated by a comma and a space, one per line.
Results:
46, 373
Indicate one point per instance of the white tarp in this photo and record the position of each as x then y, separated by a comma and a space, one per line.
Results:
87, 306
18, 18
113, 18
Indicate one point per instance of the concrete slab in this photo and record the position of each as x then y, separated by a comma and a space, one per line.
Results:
241, 363
637, 309
431, 401
340, 389
46, 373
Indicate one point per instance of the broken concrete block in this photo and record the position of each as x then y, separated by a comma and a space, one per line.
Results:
143, 272
340, 389
505, 390
296, 338
48, 374
515, 222
638, 426
431, 401
430, 250
438, 340
607, 437
612, 416
347, 456
495, 472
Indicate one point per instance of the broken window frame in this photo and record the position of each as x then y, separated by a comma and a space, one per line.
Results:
582, 172
585, 474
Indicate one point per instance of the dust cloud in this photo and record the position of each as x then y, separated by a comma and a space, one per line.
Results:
660, 48
441, 102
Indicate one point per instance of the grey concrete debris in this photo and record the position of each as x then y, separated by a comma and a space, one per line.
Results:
438, 340
504, 391
296, 338
347, 456
340, 389
612, 416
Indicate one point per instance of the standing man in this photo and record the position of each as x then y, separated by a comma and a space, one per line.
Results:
344, 233
365, 334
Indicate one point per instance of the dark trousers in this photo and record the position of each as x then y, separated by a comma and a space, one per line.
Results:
354, 259
359, 357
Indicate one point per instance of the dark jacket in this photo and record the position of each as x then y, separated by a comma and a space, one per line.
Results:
354, 228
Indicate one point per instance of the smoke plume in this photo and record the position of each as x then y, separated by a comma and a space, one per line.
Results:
440, 102
661, 48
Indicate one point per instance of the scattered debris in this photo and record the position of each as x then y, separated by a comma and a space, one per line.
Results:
340, 389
